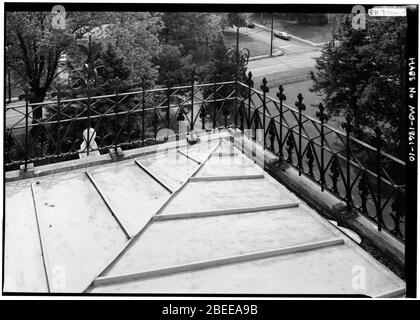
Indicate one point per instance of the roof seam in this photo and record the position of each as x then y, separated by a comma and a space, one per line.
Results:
217, 262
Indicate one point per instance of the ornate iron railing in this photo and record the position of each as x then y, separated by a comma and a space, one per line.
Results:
362, 175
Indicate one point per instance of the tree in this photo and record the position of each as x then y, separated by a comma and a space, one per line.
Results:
33, 51
174, 67
222, 67
34, 46
235, 19
188, 29
135, 36
113, 71
232, 19
363, 76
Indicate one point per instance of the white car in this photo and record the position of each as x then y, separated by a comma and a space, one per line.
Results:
282, 35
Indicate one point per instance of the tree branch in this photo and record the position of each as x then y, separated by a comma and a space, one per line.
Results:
24, 54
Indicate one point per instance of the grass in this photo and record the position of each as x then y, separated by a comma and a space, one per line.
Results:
255, 47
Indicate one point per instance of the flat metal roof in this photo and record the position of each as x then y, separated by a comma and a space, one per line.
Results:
193, 219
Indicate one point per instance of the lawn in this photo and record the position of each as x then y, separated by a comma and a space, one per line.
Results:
256, 47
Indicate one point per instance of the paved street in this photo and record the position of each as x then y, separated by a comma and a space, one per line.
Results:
288, 46
287, 65
294, 65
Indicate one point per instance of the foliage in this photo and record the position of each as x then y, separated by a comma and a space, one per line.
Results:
234, 19
188, 29
173, 67
34, 47
221, 68
33, 50
363, 76
135, 36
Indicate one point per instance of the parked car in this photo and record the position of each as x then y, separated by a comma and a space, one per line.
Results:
282, 35
250, 24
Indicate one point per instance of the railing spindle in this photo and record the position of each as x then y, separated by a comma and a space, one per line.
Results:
322, 117
214, 105
348, 127
143, 102
301, 107
250, 84
235, 105
378, 133
264, 89
168, 100
192, 100
26, 128
282, 98
88, 117
116, 120
59, 141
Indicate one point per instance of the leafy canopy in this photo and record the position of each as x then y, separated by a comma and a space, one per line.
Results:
362, 76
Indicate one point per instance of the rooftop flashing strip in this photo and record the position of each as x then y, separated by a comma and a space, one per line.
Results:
223, 178
210, 213
108, 204
109, 264
225, 154
45, 261
216, 263
153, 175
189, 156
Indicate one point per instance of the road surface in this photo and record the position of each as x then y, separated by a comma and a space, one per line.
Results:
287, 46
296, 63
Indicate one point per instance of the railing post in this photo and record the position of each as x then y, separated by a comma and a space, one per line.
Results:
378, 133
9, 89
116, 119
301, 107
155, 119
26, 128
203, 116
264, 89
235, 104
322, 117
58, 119
214, 105
88, 118
192, 99
348, 127
250, 84
241, 115
168, 99
143, 102
89, 93
282, 98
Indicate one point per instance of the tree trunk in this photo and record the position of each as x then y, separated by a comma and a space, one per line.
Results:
36, 95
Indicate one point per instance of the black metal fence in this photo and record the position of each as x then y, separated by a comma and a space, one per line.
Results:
362, 175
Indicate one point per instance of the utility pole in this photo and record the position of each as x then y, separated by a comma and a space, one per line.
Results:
272, 35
